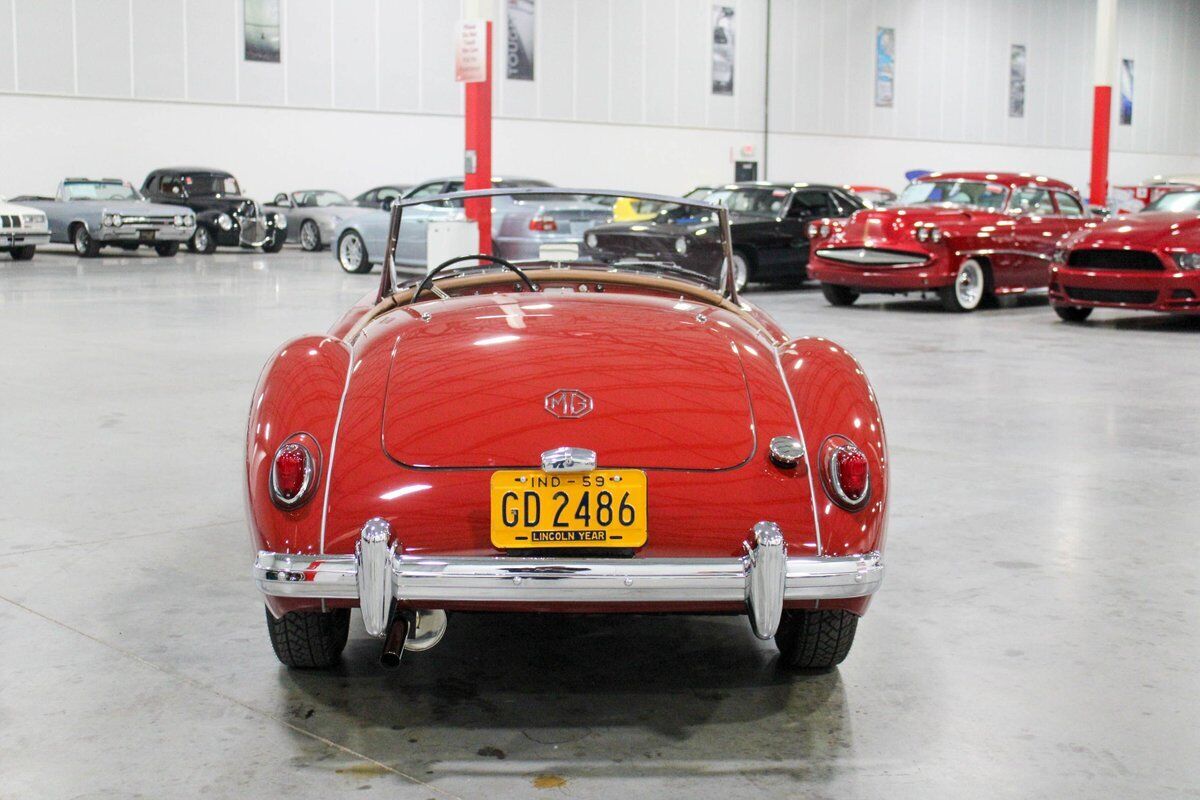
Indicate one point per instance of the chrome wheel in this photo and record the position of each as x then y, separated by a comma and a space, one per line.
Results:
741, 271
352, 255
201, 239
969, 285
82, 241
310, 237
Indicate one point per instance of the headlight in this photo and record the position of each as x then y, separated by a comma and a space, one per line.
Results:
813, 230
225, 222
106, 220
590, 240
178, 221
280, 220
929, 233
189, 220
681, 245
33, 219
1187, 260
825, 229
116, 220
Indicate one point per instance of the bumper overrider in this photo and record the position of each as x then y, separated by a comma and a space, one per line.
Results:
378, 574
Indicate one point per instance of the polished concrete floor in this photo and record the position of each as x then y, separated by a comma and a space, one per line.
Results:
1036, 636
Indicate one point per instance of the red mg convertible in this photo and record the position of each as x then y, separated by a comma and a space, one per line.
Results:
1148, 261
564, 434
964, 235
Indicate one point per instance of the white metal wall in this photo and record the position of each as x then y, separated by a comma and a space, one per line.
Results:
365, 92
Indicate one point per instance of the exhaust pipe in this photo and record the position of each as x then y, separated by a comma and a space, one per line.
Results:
393, 642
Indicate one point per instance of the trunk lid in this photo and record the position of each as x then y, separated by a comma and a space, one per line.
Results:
495, 380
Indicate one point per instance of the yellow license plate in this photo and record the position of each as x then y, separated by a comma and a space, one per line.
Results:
601, 508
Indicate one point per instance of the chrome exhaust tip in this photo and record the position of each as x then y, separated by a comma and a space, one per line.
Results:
412, 630
393, 641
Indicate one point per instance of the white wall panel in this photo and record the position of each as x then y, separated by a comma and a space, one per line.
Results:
158, 60
45, 59
693, 61
661, 62
213, 46
627, 74
8, 47
593, 51
400, 43
439, 24
308, 50
556, 59
102, 48
355, 80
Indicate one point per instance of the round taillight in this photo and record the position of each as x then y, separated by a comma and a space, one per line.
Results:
293, 475
849, 474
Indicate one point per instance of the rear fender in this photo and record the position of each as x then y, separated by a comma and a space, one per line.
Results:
832, 396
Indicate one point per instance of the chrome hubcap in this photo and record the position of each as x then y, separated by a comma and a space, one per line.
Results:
201, 239
308, 236
740, 272
351, 253
81, 240
968, 287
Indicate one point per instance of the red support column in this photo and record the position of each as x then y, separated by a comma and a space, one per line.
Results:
1105, 58
479, 140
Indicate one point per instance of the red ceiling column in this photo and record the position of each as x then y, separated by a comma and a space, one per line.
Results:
1105, 61
478, 156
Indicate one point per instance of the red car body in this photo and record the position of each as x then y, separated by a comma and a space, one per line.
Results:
1142, 261
880, 250
409, 410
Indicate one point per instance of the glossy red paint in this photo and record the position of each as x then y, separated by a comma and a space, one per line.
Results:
1129, 262
416, 412
1015, 249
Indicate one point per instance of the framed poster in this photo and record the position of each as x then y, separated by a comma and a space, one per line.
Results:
260, 30
1126, 117
885, 67
1016, 81
722, 49
519, 65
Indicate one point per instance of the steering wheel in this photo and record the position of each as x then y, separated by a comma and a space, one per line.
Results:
427, 283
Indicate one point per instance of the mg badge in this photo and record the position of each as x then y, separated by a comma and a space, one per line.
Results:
568, 403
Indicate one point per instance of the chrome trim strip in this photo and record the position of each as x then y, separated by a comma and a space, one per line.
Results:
430, 579
1002, 252
870, 256
812, 486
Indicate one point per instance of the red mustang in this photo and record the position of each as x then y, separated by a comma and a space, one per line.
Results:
565, 434
964, 235
1149, 261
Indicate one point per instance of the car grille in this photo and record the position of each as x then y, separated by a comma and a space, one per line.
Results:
155, 222
871, 257
253, 223
1111, 295
10, 221
1115, 259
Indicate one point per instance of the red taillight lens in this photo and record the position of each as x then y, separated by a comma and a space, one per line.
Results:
543, 224
292, 475
850, 474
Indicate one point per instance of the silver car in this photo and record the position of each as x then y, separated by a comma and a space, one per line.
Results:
92, 213
521, 224
313, 215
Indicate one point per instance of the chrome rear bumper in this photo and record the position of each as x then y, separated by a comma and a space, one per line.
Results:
379, 573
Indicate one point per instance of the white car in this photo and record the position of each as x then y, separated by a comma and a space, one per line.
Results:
22, 229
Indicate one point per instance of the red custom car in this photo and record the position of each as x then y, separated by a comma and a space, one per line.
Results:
565, 434
1148, 261
963, 235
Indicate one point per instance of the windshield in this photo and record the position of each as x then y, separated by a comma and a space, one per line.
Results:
319, 199
1176, 201
959, 193
544, 227
99, 190
211, 184
765, 200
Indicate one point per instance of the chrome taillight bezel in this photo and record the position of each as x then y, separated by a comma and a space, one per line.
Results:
830, 449
307, 445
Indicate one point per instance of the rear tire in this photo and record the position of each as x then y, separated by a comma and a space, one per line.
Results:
1072, 313
309, 639
85, 245
167, 249
838, 295
817, 640
23, 253
203, 241
352, 253
310, 236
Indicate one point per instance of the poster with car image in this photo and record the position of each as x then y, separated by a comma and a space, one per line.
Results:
1126, 91
520, 40
1016, 81
722, 50
885, 67
260, 29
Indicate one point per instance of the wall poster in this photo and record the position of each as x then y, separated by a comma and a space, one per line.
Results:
722, 49
260, 29
1016, 81
1126, 91
885, 67
520, 40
